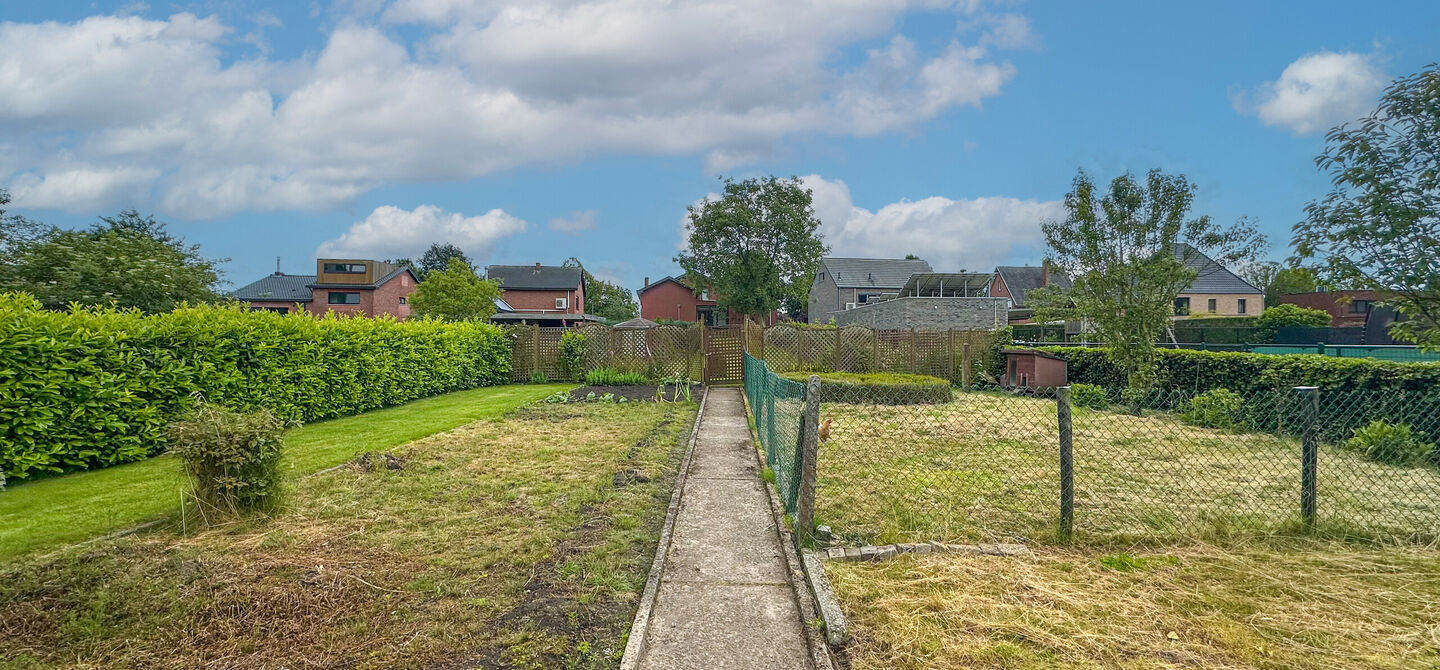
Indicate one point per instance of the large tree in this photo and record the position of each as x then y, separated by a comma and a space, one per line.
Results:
1277, 280
754, 246
602, 298
17, 232
438, 258
1126, 251
456, 293
1379, 227
127, 260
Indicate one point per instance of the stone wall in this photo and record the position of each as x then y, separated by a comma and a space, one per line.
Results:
928, 314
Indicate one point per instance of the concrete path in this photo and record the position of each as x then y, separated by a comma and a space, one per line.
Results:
724, 600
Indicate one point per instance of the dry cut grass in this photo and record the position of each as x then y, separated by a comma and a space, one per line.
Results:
519, 542
1273, 604
986, 467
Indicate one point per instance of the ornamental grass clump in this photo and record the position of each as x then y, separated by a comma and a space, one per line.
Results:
232, 459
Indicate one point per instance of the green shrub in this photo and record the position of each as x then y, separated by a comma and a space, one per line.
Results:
571, 361
1088, 395
878, 388
232, 459
1292, 316
1392, 443
613, 377
539, 377
90, 387
1216, 408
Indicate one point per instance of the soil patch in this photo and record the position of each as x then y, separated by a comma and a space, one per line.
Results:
637, 393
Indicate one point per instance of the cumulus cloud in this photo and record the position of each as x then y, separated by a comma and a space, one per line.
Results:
484, 86
1317, 92
391, 232
968, 234
574, 224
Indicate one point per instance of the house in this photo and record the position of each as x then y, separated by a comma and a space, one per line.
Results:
544, 295
1015, 283
672, 298
1216, 291
343, 285
846, 283
932, 301
1348, 309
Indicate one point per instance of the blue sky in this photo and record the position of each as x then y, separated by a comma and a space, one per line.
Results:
535, 131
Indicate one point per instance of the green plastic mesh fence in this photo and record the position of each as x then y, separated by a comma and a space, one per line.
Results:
777, 405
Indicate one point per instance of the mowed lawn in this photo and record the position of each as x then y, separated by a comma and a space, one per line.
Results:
51, 513
1271, 604
521, 541
986, 468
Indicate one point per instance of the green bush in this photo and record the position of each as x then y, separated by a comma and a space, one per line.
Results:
1216, 408
1392, 443
232, 459
613, 377
1089, 395
539, 377
1292, 316
89, 388
878, 388
571, 361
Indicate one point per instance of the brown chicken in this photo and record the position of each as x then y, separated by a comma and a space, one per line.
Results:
825, 429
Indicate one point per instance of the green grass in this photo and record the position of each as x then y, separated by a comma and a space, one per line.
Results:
1271, 604
985, 467
866, 378
51, 513
520, 541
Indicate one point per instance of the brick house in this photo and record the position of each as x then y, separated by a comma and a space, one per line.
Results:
1216, 290
540, 289
342, 285
671, 298
1348, 309
1016, 282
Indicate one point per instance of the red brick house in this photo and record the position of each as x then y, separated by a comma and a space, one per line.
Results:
540, 289
342, 285
1348, 309
670, 298
1016, 282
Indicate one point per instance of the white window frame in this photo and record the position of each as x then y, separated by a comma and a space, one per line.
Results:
562, 303
849, 305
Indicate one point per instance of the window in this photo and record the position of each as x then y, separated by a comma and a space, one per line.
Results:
705, 294
403, 301
862, 298
1359, 306
1241, 304
1182, 306
1210, 305
561, 303
712, 316
346, 268
344, 298
277, 310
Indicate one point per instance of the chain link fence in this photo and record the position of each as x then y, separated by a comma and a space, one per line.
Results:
777, 406
1108, 465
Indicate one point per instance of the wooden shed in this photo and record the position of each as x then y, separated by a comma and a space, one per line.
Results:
1032, 369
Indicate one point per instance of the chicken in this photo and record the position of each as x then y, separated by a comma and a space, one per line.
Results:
825, 429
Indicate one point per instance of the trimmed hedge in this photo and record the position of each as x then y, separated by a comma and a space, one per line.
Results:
878, 388
91, 388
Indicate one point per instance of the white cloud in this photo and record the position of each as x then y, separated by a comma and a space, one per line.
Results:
487, 86
83, 190
970, 234
391, 232
574, 224
1317, 92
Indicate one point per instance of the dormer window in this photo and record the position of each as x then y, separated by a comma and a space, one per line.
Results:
345, 268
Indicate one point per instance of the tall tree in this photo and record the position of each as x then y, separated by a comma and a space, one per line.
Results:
757, 244
1277, 280
438, 257
1126, 251
128, 260
16, 231
603, 298
1379, 227
456, 293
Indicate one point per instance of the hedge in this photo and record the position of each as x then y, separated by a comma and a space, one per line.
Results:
91, 388
878, 388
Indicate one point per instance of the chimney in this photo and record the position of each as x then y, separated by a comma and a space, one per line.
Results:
1045, 272
277, 267
647, 283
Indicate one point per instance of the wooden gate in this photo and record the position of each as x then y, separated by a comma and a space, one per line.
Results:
724, 355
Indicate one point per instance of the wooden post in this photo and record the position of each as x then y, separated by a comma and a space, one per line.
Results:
535, 338
612, 345
950, 358
1309, 450
1067, 463
835, 351
913, 371
809, 453
704, 356
965, 366
876, 337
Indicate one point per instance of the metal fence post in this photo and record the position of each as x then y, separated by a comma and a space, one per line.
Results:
1309, 450
809, 452
1067, 463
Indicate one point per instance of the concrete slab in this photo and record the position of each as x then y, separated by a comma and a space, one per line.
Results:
724, 532
715, 626
724, 460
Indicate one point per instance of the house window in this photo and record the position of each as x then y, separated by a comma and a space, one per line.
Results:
1359, 306
403, 301
561, 303
1241, 305
1182, 307
277, 310
346, 268
1210, 305
712, 316
862, 298
344, 298
705, 294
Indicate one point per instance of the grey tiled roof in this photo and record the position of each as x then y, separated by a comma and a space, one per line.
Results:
278, 287
891, 273
529, 277
1023, 279
1211, 277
